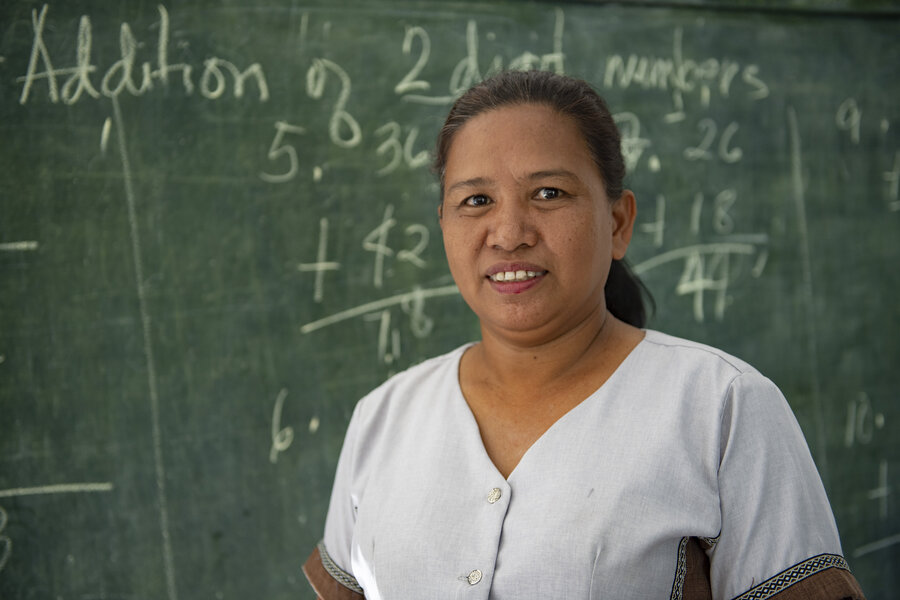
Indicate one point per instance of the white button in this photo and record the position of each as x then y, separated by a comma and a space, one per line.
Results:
494, 495
474, 577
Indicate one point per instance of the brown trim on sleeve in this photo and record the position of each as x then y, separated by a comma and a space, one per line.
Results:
830, 584
823, 577
696, 578
323, 583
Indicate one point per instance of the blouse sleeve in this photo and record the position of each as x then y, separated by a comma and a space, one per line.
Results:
777, 526
328, 567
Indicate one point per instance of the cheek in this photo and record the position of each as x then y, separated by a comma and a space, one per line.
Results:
457, 249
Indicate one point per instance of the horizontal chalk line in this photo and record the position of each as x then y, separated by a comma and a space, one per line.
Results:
60, 488
448, 290
875, 546
19, 246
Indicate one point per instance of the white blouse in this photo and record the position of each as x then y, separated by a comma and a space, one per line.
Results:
682, 441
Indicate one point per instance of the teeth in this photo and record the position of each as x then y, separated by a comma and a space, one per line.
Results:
516, 275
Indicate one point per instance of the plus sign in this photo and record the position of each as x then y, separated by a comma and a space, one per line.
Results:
892, 178
883, 490
321, 265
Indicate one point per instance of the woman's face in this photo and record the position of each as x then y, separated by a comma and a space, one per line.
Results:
528, 230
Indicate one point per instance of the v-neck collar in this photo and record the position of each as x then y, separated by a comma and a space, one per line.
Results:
472, 432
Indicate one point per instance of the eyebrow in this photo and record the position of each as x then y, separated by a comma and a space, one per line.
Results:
486, 181
468, 183
566, 174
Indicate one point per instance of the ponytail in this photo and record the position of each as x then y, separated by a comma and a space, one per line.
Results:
625, 295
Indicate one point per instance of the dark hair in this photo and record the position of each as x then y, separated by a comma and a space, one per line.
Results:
624, 292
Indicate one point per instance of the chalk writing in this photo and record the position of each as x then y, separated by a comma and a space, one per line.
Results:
410, 82
862, 421
417, 296
683, 76
279, 149
59, 488
707, 267
23, 246
388, 338
883, 490
848, 118
355, 131
104, 135
316, 79
877, 545
633, 145
657, 227
120, 76
401, 153
322, 264
281, 437
725, 152
137, 260
468, 70
799, 200
376, 242
5, 541
892, 179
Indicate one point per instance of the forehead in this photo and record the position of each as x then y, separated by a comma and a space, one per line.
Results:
522, 136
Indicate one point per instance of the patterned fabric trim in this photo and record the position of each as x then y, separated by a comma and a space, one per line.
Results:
341, 576
790, 576
710, 542
680, 571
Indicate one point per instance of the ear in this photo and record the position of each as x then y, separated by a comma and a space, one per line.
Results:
624, 212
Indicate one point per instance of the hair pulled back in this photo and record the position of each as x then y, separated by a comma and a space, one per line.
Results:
576, 99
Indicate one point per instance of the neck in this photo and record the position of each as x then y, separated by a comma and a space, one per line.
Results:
518, 364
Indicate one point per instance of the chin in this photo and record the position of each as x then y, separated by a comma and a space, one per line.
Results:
516, 322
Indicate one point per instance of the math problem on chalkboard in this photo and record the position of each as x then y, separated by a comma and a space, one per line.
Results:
219, 230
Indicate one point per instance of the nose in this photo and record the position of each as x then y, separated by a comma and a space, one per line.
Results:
511, 227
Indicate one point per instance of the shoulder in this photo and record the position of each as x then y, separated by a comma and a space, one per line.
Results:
690, 353
406, 399
697, 369
402, 390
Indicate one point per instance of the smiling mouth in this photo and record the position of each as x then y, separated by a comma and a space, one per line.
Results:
504, 276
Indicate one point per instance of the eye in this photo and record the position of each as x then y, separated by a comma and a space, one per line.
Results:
477, 200
549, 193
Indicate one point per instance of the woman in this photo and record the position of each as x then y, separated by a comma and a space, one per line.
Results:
569, 453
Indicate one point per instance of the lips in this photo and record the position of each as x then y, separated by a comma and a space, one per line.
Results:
514, 278
520, 275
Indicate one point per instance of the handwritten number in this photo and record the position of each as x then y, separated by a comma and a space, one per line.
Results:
708, 130
277, 150
5, 542
698, 277
729, 155
723, 222
414, 256
392, 144
376, 242
419, 159
701, 151
400, 152
316, 78
409, 83
281, 438
633, 145
848, 118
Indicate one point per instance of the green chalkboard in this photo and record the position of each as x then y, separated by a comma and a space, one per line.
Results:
218, 231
